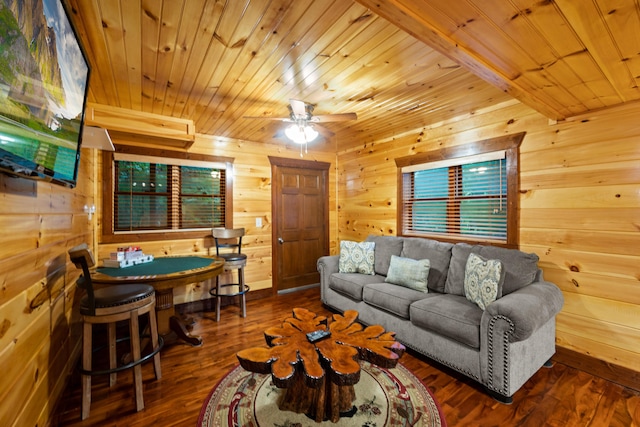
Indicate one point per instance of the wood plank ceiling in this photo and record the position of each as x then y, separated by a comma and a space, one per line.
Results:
398, 64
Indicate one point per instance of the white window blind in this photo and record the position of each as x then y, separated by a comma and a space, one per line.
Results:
158, 194
464, 197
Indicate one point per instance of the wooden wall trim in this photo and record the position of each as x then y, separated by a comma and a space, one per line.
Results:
618, 374
297, 163
168, 153
282, 162
107, 234
470, 148
510, 144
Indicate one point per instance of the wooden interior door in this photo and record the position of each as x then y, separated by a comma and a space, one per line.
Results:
300, 205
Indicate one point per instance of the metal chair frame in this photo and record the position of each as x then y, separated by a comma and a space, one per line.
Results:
230, 241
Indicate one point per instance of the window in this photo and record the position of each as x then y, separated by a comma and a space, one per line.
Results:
462, 199
165, 197
468, 194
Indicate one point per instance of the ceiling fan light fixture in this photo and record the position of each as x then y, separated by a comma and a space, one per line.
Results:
301, 134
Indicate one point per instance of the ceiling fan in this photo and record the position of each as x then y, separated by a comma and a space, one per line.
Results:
305, 126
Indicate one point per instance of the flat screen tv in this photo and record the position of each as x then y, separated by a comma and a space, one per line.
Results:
44, 76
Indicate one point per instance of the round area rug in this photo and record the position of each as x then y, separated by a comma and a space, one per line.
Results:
384, 397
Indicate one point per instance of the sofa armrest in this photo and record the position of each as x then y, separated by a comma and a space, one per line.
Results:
528, 308
327, 265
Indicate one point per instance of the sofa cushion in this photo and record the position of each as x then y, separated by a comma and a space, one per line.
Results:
351, 284
483, 279
408, 272
392, 298
356, 257
385, 247
452, 316
438, 254
520, 268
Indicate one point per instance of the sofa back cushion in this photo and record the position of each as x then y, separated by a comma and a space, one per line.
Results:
520, 268
438, 254
385, 247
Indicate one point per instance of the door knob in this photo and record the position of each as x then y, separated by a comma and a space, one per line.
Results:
280, 240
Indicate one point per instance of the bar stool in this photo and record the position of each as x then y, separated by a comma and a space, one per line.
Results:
108, 305
230, 241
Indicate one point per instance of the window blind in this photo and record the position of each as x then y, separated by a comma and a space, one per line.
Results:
167, 160
458, 198
167, 194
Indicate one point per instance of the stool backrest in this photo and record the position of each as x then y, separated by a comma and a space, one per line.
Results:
83, 259
228, 238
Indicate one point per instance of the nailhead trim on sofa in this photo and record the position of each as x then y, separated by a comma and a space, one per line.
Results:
505, 354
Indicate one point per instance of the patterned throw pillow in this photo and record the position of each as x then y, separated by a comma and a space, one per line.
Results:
356, 257
483, 280
411, 273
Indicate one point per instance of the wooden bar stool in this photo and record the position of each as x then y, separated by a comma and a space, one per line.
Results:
229, 240
108, 305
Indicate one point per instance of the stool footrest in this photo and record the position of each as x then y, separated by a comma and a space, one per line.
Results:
244, 290
130, 365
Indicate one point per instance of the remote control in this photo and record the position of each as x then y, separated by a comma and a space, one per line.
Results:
318, 335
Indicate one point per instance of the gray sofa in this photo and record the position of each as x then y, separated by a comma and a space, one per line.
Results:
500, 347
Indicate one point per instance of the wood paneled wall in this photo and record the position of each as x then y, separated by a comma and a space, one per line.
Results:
39, 329
580, 211
251, 200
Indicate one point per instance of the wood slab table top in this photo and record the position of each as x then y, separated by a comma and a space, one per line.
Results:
319, 377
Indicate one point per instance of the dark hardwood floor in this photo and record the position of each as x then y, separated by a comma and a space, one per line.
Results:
557, 396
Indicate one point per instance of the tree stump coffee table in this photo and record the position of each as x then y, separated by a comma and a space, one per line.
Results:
319, 376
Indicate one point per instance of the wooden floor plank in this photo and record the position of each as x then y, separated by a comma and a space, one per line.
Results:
557, 396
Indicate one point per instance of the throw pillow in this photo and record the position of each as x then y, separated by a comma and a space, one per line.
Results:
483, 279
408, 272
356, 257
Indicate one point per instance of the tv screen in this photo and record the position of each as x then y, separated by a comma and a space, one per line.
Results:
44, 76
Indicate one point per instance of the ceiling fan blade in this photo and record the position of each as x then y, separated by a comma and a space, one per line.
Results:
323, 130
334, 117
298, 108
280, 119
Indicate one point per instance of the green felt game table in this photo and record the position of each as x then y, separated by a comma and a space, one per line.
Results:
165, 274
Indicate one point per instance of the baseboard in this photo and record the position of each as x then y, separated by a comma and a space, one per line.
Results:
617, 374
298, 288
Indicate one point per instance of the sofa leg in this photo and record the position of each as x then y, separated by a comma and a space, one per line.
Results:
507, 400
548, 364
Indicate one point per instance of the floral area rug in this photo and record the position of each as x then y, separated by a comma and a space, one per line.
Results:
384, 397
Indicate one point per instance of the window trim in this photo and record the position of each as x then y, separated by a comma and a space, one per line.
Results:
172, 157
509, 144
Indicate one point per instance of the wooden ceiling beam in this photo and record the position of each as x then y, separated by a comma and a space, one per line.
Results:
417, 25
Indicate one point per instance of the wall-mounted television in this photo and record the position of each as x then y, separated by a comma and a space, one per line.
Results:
44, 78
